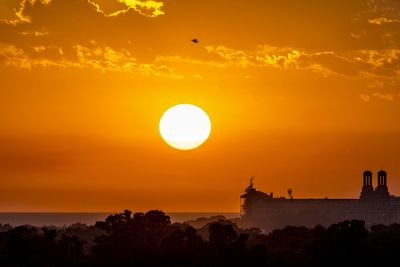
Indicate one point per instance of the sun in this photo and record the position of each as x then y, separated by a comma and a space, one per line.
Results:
185, 126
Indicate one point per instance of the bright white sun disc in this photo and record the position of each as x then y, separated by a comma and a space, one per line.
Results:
185, 126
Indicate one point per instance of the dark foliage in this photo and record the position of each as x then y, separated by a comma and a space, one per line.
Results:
149, 239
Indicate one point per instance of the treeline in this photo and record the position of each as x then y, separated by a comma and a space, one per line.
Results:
150, 239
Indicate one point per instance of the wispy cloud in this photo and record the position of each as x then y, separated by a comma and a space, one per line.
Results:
383, 20
365, 97
21, 17
33, 33
97, 57
383, 62
231, 56
380, 96
261, 56
104, 58
358, 35
13, 56
379, 58
146, 8
386, 96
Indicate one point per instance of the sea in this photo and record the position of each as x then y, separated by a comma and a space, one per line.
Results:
61, 219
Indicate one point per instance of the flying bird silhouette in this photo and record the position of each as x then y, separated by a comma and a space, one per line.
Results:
196, 41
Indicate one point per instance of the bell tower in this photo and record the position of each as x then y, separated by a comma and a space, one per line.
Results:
381, 190
367, 191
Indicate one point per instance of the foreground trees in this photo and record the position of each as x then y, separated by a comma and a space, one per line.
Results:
149, 239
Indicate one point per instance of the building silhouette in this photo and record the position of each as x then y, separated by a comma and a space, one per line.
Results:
374, 206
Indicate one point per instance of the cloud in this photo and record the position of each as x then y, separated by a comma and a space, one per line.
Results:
21, 17
362, 64
376, 84
231, 56
261, 56
134, 43
33, 33
380, 58
191, 61
358, 35
382, 20
97, 57
365, 97
146, 8
386, 96
198, 76
78, 22
105, 58
279, 57
380, 96
384, 62
13, 56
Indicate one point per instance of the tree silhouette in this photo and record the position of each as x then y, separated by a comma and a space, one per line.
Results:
149, 239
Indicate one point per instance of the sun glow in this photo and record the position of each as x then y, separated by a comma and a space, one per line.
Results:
185, 126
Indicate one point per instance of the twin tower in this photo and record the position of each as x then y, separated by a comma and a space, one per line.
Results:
381, 190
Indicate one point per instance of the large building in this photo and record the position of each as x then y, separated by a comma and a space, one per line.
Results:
374, 206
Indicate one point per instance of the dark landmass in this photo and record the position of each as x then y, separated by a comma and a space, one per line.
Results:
61, 219
150, 239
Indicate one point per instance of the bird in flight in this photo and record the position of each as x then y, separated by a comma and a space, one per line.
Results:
196, 41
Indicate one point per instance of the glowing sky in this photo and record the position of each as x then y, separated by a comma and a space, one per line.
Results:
302, 95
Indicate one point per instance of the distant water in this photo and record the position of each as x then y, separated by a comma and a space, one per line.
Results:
68, 218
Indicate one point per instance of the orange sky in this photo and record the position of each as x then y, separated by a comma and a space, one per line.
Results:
301, 94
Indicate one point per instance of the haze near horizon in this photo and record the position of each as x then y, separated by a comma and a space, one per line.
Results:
301, 94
